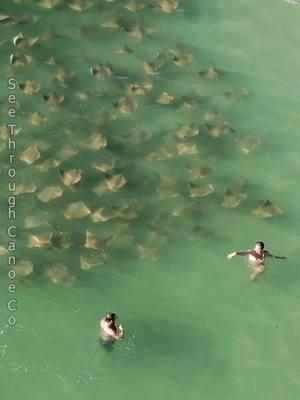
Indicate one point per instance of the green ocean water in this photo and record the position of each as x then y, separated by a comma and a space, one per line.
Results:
196, 326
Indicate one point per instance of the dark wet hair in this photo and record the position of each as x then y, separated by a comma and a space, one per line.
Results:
262, 245
110, 317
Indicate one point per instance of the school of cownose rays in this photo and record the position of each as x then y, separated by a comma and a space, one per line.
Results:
81, 183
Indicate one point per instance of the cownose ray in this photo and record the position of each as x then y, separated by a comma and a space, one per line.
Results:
164, 219
125, 105
232, 199
103, 214
30, 155
86, 30
43, 145
22, 42
153, 67
7, 20
25, 187
50, 60
62, 240
124, 49
186, 148
211, 73
114, 24
184, 131
147, 253
51, 35
5, 106
121, 228
36, 220
94, 242
48, 164
165, 98
48, 3
23, 268
66, 153
5, 132
25, 19
77, 210
102, 71
185, 209
180, 57
115, 182
160, 155
30, 87
63, 75
80, 5
28, 18
168, 187
168, 6
20, 60
266, 210
101, 189
3, 249
85, 95
123, 241
50, 193
197, 172
103, 117
90, 260
122, 235
249, 144
40, 240
211, 115
59, 273
36, 118
138, 31
139, 89
127, 210
96, 141
219, 130
70, 177
53, 99
238, 94
199, 232
183, 60
133, 6
105, 166
138, 136
201, 191
158, 235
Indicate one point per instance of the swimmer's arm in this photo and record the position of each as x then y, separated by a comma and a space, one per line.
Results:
243, 253
238, 253
113, 334
268, 254
116, 334
121, 334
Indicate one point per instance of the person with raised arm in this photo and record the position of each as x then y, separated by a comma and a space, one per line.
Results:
256, 258
108, 331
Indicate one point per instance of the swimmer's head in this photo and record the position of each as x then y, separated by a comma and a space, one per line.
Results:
110, 317
260, 244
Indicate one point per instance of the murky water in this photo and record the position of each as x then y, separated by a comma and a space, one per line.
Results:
196, 326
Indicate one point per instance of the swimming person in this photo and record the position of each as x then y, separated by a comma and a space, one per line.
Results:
256, 258
108, 331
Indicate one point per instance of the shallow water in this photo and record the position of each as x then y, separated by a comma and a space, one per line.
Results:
196, 326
